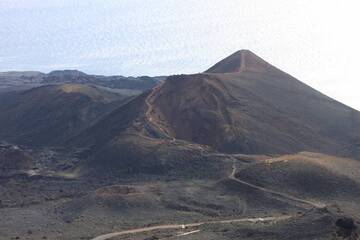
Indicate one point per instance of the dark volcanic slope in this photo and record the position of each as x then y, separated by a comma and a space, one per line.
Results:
50, 114
313, 176
254, 108
307, 174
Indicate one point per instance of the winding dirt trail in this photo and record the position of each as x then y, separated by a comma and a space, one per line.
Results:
149, 105
280, 194
182, 226
150, 108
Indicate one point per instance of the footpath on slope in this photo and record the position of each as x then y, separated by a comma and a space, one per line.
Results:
150, 108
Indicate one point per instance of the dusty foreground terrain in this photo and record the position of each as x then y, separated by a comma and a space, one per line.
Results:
50, 202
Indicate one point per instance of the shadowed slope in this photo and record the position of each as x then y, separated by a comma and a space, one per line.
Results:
48, 115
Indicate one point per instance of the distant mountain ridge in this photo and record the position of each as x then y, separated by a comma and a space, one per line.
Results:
73, 76
25, 80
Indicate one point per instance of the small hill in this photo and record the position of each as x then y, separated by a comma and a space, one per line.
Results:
13, 158
309, 174
312, 176
50, 114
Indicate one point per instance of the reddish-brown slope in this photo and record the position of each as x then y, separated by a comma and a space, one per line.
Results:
255, 108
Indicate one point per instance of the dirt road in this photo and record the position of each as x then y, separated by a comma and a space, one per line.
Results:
198, 224
280, 194
181, 226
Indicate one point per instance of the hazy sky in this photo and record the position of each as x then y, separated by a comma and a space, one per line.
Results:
317, 41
